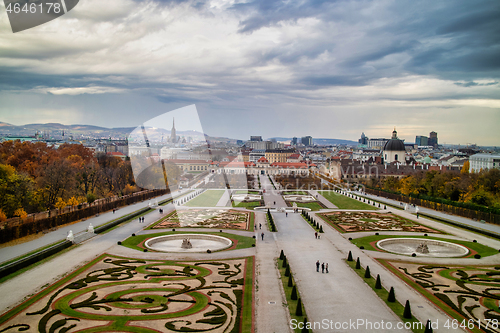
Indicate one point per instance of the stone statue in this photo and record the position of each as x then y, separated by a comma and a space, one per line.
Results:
422, 248
186, 244
70, 236
90, 228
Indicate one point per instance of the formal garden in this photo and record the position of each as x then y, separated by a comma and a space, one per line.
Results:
476, 249
467, 293
209, 198
115, 294
137, 242
301, 199
344, 202
372, 221
207, 218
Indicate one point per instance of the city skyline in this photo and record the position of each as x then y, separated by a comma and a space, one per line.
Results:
272, 68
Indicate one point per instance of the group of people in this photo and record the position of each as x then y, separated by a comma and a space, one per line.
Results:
317, 235
323, 267
141, 219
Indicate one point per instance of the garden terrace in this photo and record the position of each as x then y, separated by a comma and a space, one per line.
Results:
207, 218
372, 221
115, 294
463, 292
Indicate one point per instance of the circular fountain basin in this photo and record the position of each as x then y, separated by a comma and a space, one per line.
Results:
299, 198
246, 197
200, 243
436, 248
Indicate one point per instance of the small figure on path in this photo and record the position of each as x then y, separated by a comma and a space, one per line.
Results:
417, 215
140, 219
143, 219
260, 225
326, 267
286, 214
316, 235
322, 267
317, 266
114, 210
262, 236
275, 202
255, 227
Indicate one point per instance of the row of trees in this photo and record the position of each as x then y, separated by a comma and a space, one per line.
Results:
35, 177
481, 188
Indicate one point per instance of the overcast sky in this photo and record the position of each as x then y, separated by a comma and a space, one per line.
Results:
330, 69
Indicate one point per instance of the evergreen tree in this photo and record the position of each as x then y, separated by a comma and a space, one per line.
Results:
358, 264
428, 327
293, 296
407, 312
287, 271
298, 311
282, 255
349, 257
290, 281
392, 295
305, 329
378, 284
367, 272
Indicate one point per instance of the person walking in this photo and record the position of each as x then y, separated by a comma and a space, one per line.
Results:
260, 225
140, 219
317, 266
316, 235
262, 235
286, 214
326, 267
322, 267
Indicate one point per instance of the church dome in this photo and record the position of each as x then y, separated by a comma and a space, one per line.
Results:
394, 144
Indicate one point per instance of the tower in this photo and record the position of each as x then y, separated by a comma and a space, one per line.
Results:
173, 136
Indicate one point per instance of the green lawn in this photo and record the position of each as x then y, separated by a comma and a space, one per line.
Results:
343, 202
242, 204
209, 198
312, 205
483, 250
291, 304
133, 241
294, 193
246, 192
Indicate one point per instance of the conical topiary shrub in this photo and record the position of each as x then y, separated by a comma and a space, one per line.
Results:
282, 255
392, 295
284, 262
407, 312
378, 284
321, 229
287, 271
298, 312
290, 281
428, 327
367, 272
358, 264
293, 296
305, 329
349, 257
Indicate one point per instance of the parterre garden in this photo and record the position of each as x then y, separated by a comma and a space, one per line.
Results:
469, 294
372, 221
207, 218
116, 294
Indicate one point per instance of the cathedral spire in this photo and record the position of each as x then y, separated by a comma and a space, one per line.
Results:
173, 135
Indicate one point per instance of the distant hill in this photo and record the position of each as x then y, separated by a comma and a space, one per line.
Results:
324, 142
96, 132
